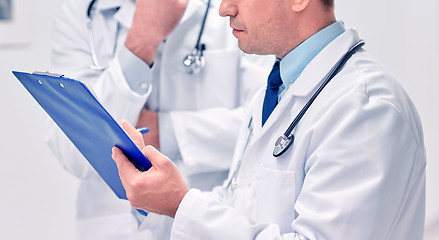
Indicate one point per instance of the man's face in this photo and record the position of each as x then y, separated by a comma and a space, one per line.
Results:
259, 25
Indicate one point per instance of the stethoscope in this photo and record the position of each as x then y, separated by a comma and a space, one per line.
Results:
192, 63
284, 142
96, 66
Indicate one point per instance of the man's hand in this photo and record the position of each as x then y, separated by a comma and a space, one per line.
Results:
150, 120
153, 21
160, 189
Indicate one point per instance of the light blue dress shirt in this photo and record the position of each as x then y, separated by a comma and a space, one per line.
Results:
292, 65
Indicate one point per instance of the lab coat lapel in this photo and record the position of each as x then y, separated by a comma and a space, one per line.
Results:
109, 4
125, 14
307, 83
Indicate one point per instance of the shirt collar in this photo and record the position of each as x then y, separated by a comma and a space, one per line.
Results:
292, 65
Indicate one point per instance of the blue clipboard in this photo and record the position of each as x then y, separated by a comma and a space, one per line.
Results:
85, 122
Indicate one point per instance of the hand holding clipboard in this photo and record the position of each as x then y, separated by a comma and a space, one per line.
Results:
85, 122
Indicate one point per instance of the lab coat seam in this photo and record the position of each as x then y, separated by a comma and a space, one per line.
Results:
184, 147
338, 100
413, 166
400, 114
362, 75
407, 190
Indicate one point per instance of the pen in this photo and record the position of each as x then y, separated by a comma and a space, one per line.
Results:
143, 130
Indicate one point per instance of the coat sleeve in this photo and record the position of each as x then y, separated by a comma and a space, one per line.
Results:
71, 56
364, 178
206, 138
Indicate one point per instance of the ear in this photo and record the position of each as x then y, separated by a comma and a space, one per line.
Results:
299, 5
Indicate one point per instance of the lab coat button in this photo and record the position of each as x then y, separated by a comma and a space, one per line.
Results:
143, 86
234, 183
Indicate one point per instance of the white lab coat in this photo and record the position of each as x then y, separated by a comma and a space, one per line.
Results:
356, 169
206, 109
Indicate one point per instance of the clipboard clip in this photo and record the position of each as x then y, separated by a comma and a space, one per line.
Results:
49, 74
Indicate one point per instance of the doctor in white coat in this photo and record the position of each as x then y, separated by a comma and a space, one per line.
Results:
356, 168
199, 114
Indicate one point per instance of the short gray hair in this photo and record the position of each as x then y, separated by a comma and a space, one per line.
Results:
327, 3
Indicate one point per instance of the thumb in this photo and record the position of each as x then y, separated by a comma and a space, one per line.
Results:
126, 169
133, 133
156, 158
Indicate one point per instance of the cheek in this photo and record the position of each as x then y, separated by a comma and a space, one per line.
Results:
265, 34
263, 27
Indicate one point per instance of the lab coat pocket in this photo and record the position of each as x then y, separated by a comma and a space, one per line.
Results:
219, 86
275, 198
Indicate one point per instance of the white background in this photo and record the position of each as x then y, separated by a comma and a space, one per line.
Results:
37, 198
17, 28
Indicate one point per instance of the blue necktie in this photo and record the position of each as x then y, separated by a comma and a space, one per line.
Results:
271, 94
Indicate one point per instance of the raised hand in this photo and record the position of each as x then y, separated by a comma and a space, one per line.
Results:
153, 21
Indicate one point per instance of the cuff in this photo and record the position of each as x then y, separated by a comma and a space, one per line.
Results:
136, 72
168, 140
158, 225
185, 213
138, 216
187, 203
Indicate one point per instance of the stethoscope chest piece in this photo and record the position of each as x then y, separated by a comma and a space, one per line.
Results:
193, 62
282, 144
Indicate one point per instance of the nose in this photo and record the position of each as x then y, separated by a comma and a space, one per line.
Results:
228, 8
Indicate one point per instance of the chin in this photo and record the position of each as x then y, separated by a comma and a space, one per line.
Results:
256, 51
245, 48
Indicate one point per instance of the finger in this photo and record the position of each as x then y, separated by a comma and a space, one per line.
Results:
126, 169
132, 132
116, 158
156, 158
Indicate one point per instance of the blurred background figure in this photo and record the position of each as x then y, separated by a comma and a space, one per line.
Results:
171, 66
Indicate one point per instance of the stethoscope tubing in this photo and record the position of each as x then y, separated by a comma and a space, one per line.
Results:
96, 66
285, 141
331, 75
203, 23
